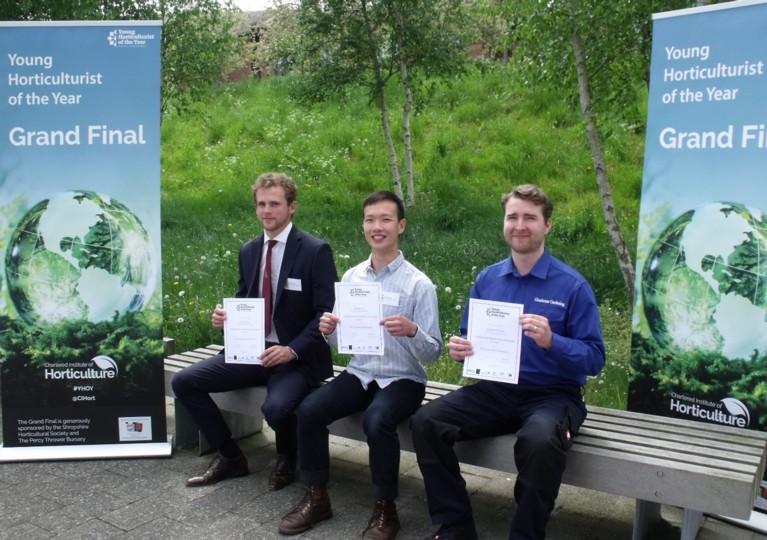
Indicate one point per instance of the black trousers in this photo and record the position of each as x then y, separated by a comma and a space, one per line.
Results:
544, 418
384, 409
286, 388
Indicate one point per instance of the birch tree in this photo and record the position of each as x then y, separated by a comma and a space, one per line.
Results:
601, 50
369, 43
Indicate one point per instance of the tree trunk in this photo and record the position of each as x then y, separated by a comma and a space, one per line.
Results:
608, 207
395, 177
381, 92
407, 107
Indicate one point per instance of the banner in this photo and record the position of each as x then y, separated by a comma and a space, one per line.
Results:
699, 340
81, 369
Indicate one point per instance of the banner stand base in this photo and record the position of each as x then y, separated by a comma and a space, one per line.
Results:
757, 521
92, 451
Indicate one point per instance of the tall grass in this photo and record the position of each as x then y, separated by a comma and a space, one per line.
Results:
473, 140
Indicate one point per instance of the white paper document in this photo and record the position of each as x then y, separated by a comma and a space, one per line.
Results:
243, 330
359, 309
496, 338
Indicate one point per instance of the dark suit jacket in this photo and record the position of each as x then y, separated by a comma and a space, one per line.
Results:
296, 313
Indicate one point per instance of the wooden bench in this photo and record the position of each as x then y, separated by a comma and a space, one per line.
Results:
702, 468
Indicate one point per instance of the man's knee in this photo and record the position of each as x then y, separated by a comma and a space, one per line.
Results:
180, 383
538, 434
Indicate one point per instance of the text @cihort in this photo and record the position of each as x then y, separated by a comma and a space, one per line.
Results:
97, 134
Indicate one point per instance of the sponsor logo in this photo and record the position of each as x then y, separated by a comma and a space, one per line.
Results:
103, 368
120, 37
728, 411
549, 301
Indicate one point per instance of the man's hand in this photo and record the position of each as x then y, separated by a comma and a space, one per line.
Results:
218, 318
276, 355
397, 325
328, 323
459, 348
537, 327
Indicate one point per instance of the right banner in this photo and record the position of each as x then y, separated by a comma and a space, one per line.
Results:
699, 329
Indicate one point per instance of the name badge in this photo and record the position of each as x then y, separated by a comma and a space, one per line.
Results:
293, 284
390, 298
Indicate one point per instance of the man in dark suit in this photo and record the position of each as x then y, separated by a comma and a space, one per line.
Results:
296, 357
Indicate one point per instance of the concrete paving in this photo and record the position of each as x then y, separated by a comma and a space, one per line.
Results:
147, 498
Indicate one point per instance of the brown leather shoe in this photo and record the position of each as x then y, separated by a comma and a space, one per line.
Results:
313, 508
220, 468
284, 472
384, 523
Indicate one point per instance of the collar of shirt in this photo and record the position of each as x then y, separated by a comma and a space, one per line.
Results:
540, 270
281, 238
391, 267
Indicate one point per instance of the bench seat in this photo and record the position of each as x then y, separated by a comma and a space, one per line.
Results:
700, 467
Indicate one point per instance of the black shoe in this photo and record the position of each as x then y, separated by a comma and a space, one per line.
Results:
220, 468
284, 472
457, 531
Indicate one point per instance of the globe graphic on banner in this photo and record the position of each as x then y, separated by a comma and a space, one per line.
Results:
79, 255
704, 284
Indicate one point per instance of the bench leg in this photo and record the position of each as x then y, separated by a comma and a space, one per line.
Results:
187, 433
186, 429
240, 425
691, 524
646, 514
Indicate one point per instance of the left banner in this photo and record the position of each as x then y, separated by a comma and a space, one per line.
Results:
81, 369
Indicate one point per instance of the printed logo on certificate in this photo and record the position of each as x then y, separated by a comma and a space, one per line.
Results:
496, 337
360, 310
244, 330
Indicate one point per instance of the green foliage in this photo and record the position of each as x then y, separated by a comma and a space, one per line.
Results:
476, 138
616, 38
199, 48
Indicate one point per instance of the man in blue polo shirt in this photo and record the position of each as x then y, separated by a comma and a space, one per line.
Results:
562, 344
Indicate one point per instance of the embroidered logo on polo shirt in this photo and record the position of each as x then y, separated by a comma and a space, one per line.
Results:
549, 301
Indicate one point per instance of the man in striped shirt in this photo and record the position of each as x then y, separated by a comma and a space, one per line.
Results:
388, 388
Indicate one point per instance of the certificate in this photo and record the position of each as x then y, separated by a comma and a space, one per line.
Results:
360, 312
496, 338
243, 330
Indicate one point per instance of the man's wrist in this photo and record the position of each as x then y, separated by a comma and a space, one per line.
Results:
295, 354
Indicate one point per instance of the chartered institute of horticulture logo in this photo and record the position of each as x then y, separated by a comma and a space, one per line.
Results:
129, 38
103, 367
728, 411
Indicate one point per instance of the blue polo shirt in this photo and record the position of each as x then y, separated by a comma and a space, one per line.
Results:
559, 293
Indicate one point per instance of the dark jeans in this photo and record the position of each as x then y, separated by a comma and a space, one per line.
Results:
385, 408
544, 419
285, 384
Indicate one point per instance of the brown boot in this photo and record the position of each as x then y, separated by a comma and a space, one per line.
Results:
313, 508
284, 472
384, 523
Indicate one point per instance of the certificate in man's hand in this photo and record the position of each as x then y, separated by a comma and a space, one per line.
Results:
359, 312
496, 338
243, 330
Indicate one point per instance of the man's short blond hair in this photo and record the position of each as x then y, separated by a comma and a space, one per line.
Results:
275, 179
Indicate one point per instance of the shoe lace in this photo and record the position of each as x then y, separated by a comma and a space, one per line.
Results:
305, 503
377, 519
